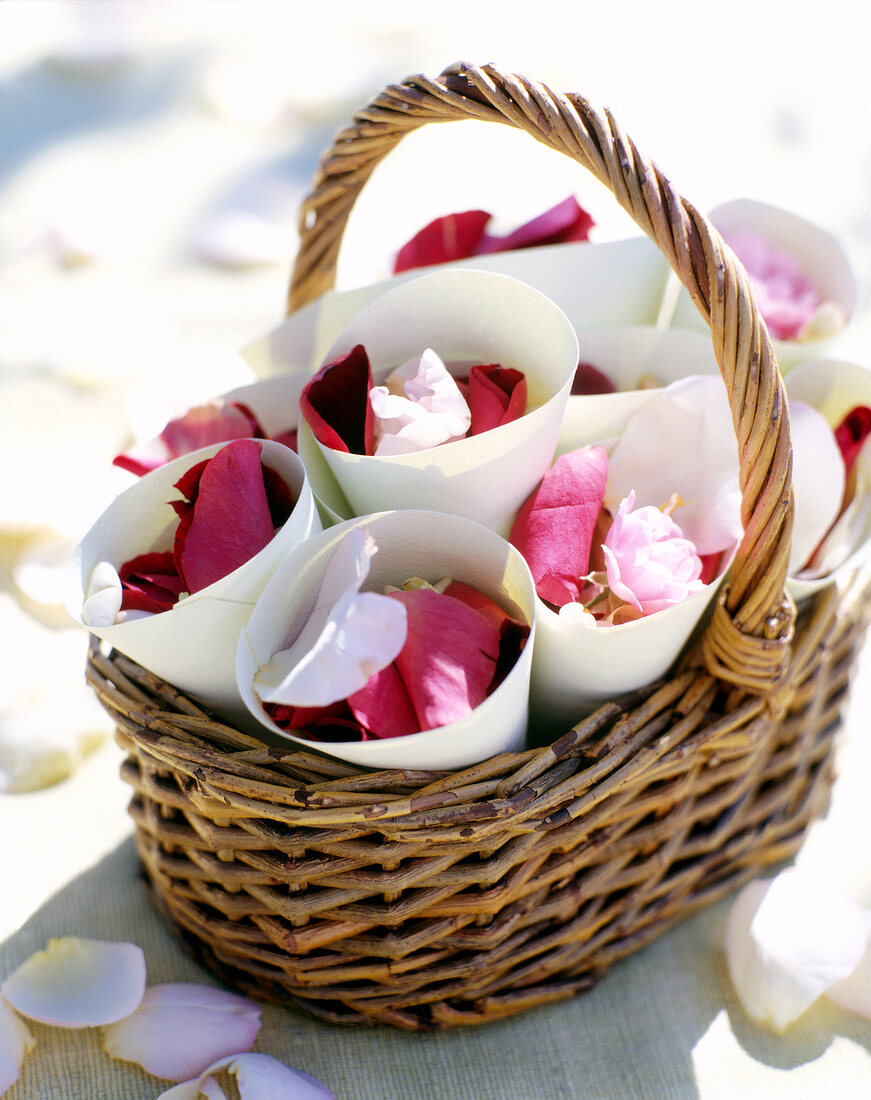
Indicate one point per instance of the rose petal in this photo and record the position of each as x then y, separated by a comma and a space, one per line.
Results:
590, 380
150, 582
348, 637
851, 433
682, 441
77, 982
446, 665
231, 517
497, 395
104, 596
383, 706
259, 1077
554, 528
15, 1041
567, 221
180, 1029
453, 237
853, 993
335, 404
419, 406
818, 479
788, 941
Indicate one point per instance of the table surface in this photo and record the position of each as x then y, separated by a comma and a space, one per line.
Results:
164, 144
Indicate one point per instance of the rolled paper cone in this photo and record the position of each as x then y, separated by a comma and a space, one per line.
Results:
193, 644
819, 255
629, 357
833, 387
613, 283
274, 401
576, 668
466, 317
410, 543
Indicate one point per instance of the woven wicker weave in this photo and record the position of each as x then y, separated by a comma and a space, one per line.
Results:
425, 900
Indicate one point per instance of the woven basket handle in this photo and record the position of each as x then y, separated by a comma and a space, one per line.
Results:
748, 639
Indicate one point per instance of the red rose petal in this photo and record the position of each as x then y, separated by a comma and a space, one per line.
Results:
554, 528
150, 582
852, 432
384, 705
230, 520
335, 404
453, 237
590, 380
497, 395
567, 221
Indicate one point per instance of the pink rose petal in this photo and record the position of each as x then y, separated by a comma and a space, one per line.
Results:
180, 1029
419, 406
554, 528
453, 237
335, 404
446, 665
497, 395
15, 1041
567, 221
78, 983
230, 517
259, 1077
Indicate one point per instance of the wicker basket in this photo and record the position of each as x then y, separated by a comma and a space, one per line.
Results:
425, 900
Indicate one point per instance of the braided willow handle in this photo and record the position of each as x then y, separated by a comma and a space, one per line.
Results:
748, 639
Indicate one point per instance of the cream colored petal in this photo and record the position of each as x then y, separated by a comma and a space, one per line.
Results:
77, 982
179, 1029
788, 941
15, 1041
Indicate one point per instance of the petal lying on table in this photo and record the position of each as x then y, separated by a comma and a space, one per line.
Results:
554, 528
258, 1077
180, 1029
419, 406
15, 1042
790, 939
347, 638
77, 982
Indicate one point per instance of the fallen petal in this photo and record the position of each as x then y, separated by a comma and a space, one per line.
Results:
180, 1029
258, 1076
788, 941
76, 982
854, 992
15, 1041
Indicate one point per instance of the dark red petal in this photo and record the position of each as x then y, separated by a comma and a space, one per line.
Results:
335, 404
852, 432
497, 395
383, 705
332, 723
280, 496
567, 221
149, 582
554, 528
453, 237
710, 566
590, 380
231, 519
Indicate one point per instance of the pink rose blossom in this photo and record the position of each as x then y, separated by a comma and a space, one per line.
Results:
787, 298
648, 561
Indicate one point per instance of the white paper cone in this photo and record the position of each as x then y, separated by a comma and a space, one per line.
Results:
818, 254
411, 543
833, 387
629, 356
613, 283
464, 316
576, 667
192, 645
